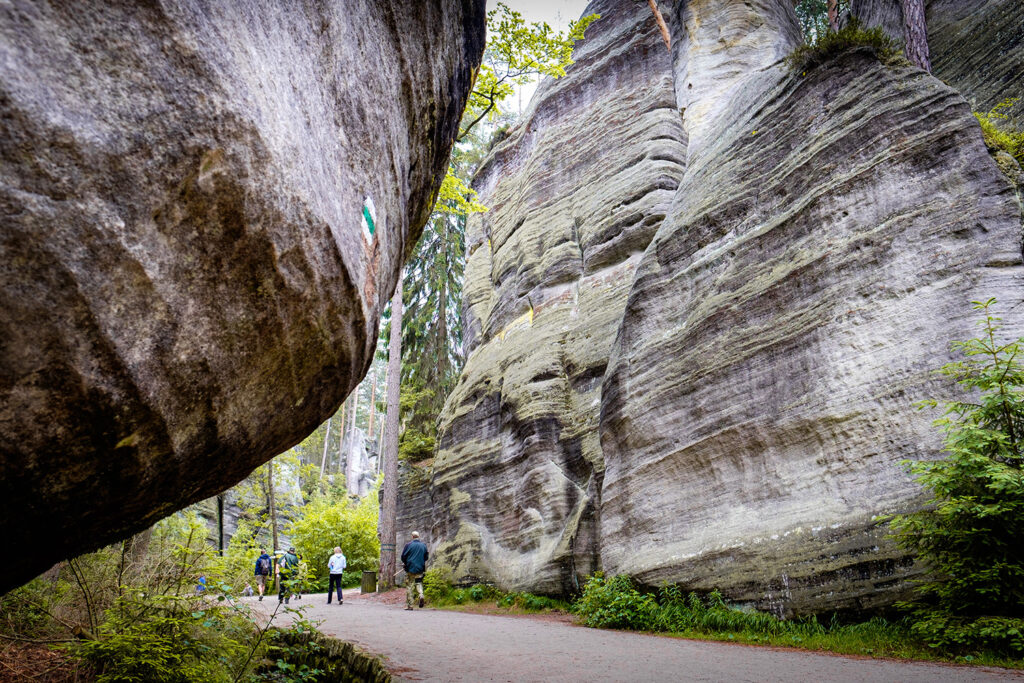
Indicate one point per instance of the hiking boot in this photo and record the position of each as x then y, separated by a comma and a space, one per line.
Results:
408, 609
421, 603
261, 598
286, 601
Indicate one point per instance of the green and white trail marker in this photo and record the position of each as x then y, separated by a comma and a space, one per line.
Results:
369, 219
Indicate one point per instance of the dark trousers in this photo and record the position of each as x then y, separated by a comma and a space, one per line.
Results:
334, 580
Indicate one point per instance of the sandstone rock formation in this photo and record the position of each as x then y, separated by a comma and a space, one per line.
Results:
576, 193
188, 279
701, 307
977, 47
821, 252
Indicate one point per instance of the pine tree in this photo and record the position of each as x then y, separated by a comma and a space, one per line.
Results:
969, 535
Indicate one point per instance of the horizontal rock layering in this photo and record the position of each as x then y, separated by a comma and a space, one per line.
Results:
205, 209
700, 310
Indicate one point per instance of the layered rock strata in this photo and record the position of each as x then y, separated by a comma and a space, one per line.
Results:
821, 252
976, 46
576, 193
725, 402
205, 207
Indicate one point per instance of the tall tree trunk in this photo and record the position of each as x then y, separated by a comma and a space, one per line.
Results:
327, 442
915, 34
355, 411
390, 500
346, 410
272, 507
220, 524
373, 402
833, 14
442, 318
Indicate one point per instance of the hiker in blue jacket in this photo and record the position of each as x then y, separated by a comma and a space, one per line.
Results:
263, 566
414, 557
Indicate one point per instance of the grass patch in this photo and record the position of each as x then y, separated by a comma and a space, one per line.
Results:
617, 603
1000, 133
831, 44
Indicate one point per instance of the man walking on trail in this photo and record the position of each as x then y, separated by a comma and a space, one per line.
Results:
414, 557
263, 565
335, 566
287, 569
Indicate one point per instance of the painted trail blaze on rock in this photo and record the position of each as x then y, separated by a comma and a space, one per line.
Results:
730, 329
185, 284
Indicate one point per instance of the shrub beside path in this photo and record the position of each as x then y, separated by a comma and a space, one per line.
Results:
442, 645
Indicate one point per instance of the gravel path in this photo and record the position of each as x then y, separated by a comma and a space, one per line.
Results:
440, 645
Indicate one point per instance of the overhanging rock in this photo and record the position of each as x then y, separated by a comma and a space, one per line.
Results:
205, 208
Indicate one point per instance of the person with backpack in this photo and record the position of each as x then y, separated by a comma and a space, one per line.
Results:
335, 567
287, 568
414, 557
263, 565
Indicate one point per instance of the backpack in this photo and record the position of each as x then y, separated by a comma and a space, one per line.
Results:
264, 565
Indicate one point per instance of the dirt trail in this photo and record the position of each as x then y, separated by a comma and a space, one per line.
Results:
440, 645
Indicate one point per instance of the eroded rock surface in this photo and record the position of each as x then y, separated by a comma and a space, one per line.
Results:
977, 46
723, 403
576, 193
186, 285
817, 260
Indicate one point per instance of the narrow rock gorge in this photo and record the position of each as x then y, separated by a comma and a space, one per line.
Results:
705, 299
205, 209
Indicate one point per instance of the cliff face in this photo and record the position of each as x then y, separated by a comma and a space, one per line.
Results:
976, 46
188, 284
707, 294
576, 194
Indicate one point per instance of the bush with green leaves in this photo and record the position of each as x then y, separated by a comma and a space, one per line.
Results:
615, 603
969, 535
325, 522
830, 44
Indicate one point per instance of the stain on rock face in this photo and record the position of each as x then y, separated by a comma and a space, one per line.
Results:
186, 284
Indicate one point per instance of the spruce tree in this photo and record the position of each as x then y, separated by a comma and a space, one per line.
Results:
969, 536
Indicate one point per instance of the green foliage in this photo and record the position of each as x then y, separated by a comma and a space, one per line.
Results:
516, 54
324, 523
615, 603
999, 131
131, 612
432, 353
437, 584
439, 591
813, 16
970, 533
173, 645
416, 446
829, 45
